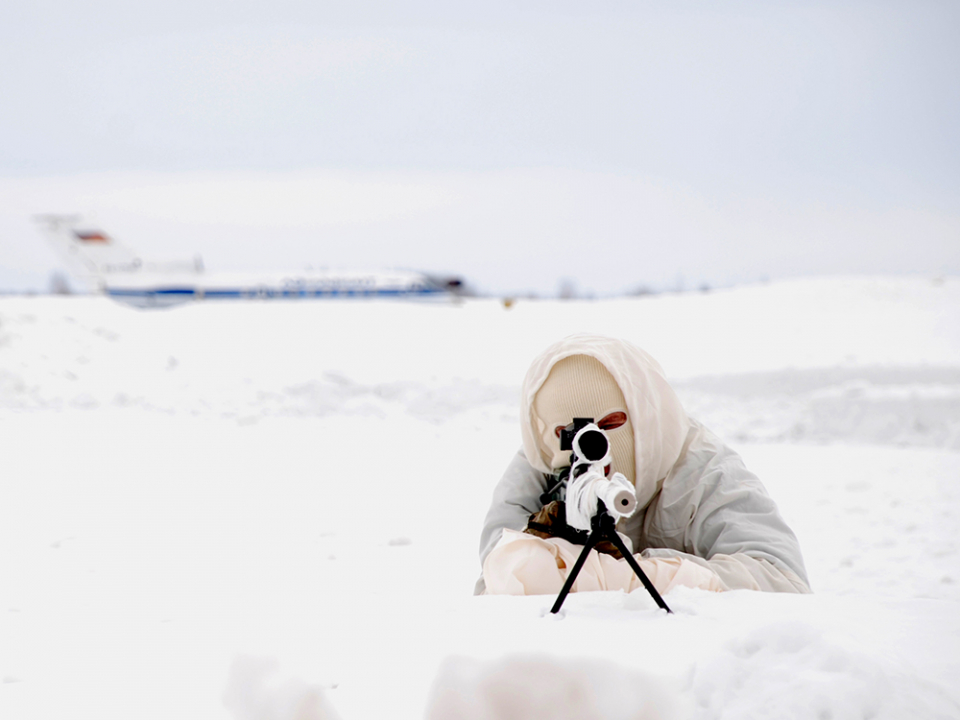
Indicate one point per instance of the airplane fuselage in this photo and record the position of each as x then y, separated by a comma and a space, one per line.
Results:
122, 275
144, 291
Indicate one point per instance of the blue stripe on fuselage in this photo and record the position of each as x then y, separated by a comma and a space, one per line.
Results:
188, 293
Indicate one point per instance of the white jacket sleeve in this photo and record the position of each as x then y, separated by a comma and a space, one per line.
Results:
515, 498
714, 511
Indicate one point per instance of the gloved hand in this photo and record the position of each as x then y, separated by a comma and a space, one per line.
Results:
551, 521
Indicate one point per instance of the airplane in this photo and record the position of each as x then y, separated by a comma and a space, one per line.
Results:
122, 275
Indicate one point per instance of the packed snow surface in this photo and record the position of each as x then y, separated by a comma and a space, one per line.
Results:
271, 510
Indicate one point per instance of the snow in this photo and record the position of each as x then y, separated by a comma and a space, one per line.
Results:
270, 510
257, 689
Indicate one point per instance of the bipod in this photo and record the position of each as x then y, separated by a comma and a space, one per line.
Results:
603, 527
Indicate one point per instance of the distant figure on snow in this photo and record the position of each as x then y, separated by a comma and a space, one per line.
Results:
702, 520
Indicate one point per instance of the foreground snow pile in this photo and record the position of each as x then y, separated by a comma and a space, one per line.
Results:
270, 511
257, 689
541, 686
780, 670
792, 670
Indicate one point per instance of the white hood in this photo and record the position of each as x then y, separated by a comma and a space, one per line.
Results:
659, 423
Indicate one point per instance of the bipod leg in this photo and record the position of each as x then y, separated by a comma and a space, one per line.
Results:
616, 540
594, 538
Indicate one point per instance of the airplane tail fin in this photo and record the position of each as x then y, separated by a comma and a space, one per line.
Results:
92, 253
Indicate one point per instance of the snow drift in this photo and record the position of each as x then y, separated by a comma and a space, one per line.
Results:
180, 499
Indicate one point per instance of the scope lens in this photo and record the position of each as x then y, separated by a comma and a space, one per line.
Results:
593, 445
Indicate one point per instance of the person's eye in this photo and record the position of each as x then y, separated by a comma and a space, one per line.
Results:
611, 421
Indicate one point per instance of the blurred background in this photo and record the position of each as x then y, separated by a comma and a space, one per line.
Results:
542, 148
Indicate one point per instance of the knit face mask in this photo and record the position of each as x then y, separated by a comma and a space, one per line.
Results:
580, 386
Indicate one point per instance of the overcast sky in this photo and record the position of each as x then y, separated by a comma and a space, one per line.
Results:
686, 142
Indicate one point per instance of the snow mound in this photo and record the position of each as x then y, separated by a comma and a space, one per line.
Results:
533, 686
791, 670
903, 406
257, 689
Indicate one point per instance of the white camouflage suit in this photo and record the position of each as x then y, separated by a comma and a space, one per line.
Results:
704, 521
